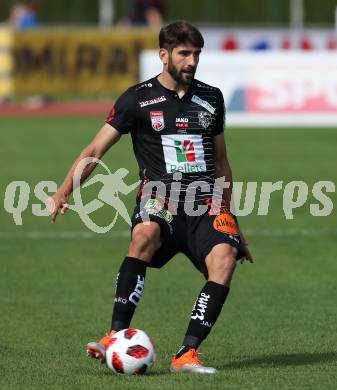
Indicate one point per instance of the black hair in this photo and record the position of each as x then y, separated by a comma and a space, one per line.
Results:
179, 32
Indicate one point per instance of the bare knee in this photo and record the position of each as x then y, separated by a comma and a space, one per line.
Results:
145, 241
221, 263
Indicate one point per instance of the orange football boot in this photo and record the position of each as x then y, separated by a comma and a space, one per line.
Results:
97, 350
189, 362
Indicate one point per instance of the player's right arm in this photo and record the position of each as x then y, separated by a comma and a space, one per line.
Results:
105, 138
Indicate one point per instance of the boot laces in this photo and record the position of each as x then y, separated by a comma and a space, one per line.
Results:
194, 357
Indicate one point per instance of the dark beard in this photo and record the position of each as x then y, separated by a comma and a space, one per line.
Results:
177, 76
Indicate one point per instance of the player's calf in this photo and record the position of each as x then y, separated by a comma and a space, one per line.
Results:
221, 263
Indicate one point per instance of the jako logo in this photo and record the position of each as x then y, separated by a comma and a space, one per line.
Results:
138, 291
185, 151
182, 123
200, 308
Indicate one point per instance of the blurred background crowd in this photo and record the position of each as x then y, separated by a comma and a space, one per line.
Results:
92, 48
219, 13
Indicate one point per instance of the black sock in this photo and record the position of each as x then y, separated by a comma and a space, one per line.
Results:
129, 289
205, 312
183, 349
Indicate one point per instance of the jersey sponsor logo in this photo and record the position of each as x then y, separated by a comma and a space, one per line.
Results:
152, 101
182, 123
185, 150
157, 120
183, 153
205, 119
196, 99
225, 223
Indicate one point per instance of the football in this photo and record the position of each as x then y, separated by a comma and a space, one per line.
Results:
130, 351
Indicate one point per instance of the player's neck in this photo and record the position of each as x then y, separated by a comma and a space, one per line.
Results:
167, 81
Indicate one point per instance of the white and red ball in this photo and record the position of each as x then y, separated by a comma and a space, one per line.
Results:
130, 351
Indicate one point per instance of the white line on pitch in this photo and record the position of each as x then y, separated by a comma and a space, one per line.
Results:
272, 232
36, 235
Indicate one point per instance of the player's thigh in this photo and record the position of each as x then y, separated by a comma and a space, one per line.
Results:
144, 216
146, 233
145, 241
169, 231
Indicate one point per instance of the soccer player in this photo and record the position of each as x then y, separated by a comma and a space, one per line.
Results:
177, 128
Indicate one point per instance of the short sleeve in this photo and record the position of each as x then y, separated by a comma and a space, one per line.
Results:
219, 123
122, 114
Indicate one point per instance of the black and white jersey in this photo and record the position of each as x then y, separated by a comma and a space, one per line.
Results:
171, 134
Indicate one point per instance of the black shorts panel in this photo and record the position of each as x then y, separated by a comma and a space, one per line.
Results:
193, 236
203, 237
165, 253
173, 236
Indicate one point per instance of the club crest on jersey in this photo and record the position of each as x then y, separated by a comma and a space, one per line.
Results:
205, 119
157, 120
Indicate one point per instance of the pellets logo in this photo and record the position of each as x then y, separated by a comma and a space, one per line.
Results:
185, 151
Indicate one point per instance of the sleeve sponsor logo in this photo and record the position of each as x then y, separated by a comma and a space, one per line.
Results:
157, 120
197, 100
183, 153
152, 101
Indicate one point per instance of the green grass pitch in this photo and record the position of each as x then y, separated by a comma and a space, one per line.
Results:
278, 327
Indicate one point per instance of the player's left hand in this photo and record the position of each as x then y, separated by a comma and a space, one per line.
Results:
247, 256
57, 203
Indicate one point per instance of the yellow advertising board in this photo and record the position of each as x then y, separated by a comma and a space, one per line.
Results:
75, 61
6, 63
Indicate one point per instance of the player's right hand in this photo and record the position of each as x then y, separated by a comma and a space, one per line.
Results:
247, 255
58, 203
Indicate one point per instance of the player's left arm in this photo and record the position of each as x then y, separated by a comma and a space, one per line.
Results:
222, 168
